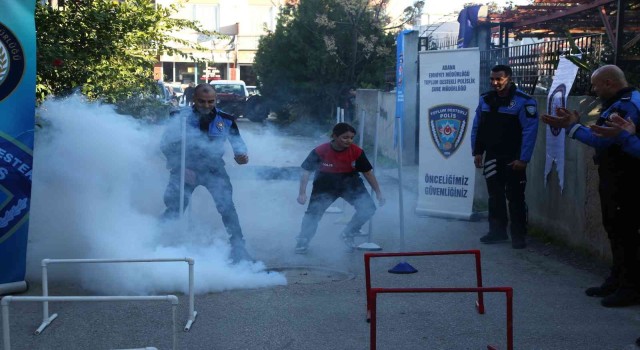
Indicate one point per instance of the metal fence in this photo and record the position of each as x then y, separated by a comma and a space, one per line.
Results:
533, 65
441, 43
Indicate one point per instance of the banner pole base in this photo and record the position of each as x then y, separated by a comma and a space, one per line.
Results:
13, 287
403, 268
369, 247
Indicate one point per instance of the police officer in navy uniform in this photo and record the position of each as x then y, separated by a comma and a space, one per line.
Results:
618, 188
622, 130
207, 130
504, 132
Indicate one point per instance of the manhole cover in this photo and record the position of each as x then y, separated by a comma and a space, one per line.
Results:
312, 275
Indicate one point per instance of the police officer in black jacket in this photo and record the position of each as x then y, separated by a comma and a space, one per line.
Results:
504, 132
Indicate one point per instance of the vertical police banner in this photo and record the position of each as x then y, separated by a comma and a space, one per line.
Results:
17, 117
449, 95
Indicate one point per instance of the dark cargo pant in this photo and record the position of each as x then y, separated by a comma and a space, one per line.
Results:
505, 184
323, 195
217, 182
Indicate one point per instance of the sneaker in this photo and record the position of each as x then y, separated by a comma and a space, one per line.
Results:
302, 246
621, 297
348, 241
239, 253
607, 288
518, 243
490, 238
361, 233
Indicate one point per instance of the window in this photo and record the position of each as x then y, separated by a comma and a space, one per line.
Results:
206, 14
235, 89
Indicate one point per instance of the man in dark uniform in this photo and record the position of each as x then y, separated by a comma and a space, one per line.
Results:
207, 129
189, 92
619, 173
504, 132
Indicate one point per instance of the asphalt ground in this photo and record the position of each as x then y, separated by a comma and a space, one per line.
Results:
322, 306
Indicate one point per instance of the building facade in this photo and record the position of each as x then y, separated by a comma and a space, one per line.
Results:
242, 22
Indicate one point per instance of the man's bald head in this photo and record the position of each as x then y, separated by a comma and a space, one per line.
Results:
204, 87
611, 72
607, 80
204, 99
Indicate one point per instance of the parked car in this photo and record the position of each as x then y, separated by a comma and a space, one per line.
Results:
253, 90
178, 90
233, 97
163, 92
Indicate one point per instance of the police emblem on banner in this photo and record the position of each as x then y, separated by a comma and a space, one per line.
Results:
15, 185
556, 100
447, 125
11, 62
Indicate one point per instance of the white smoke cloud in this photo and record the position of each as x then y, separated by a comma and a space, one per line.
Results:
98, 186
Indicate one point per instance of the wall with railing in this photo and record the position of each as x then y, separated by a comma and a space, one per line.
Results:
571, 214
533, 65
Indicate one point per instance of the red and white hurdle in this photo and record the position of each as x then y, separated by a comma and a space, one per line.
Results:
372, 293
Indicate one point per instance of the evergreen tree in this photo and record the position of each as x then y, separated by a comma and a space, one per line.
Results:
322, 48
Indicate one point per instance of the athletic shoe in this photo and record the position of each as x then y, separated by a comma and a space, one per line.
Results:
491, 238
518, 243
239, 253
621, 297
360, 233
302, 246
607, 288
348, 241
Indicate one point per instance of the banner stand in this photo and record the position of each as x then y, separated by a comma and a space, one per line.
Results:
17, 108
402, 267
13, 287
369, 246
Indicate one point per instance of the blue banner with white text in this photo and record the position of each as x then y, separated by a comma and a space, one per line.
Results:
17, 118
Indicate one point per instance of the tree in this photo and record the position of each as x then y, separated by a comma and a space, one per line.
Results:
321, 48
106, 48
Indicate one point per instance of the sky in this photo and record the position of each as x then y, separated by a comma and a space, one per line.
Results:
449, 6
435, 10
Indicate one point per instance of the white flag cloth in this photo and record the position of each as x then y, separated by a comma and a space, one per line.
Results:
563, 80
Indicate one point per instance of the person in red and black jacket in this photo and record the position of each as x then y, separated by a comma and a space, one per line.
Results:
337, 165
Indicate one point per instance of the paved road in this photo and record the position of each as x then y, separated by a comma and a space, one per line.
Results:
322, 306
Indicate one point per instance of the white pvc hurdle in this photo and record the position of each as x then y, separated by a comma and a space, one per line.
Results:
46, 319
8, 299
